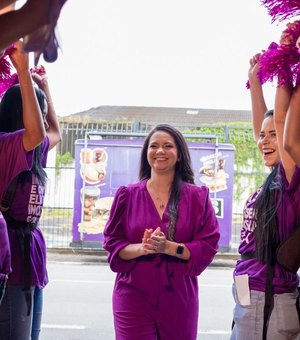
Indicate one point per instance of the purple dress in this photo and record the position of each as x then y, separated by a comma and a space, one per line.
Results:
287, 215
26, 206
166, 286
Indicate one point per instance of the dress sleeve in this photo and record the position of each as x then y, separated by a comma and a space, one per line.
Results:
204, 246
115, 233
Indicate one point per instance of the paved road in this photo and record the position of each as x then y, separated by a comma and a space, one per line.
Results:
78, 302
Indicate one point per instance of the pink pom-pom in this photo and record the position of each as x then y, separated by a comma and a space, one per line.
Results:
282, 9
281, 62
6, 78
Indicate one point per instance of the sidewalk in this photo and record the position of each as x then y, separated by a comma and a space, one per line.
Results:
226, 260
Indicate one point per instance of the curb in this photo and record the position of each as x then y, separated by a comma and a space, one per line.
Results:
224, 260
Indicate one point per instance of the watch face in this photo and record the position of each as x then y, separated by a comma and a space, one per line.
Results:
180, 249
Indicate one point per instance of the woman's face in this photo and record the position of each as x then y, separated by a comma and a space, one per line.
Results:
267, 142
162, 153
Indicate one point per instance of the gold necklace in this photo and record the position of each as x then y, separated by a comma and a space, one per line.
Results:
161, 203
157, 198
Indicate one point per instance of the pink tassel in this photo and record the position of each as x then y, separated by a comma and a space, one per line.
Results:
6, 78
282, 9
281, 62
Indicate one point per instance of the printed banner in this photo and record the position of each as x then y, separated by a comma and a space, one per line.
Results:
105, 164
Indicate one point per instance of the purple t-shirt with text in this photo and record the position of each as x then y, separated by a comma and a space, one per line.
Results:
26, 206
287, 217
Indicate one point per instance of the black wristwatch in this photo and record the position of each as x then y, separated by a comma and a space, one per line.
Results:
180, 249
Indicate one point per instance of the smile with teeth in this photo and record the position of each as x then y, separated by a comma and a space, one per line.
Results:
268, 151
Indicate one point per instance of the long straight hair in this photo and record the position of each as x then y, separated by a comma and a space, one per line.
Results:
183, 170
265, 214
11, 119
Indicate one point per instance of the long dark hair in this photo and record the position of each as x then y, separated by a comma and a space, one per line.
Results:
183, 170
265, 214
11, 119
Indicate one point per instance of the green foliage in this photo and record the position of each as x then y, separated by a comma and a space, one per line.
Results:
63, 160
249, 169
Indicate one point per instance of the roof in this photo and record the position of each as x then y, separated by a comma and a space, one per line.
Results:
169, 115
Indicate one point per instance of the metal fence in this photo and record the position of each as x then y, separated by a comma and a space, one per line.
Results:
57, 216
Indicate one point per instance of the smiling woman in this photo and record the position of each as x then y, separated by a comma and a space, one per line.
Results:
161, 234
270, 215
267, 142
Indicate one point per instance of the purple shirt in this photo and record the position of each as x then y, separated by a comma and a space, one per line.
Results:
26, 206
287, 213
5, 267
197, 227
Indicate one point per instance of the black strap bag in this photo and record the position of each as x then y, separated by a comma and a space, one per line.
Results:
288, 252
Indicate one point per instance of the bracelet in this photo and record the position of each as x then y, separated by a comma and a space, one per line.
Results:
49, 102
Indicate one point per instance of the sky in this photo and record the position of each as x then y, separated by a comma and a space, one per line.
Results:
163, 53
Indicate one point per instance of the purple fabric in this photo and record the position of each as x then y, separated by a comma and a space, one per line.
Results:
283, 282
27, 206
5, 266
155, 276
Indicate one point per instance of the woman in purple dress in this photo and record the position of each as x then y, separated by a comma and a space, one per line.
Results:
265, 293
28, 129
161, 234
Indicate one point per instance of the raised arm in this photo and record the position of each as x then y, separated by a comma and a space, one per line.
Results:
258, 103
291, 137
34, 132
53, 129
282, 103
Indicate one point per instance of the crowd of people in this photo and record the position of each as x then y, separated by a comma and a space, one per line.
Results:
162, 232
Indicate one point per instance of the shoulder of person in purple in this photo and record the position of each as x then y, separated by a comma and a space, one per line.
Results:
194, 189
294, 185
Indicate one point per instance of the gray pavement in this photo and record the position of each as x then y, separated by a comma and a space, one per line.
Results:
78, 306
